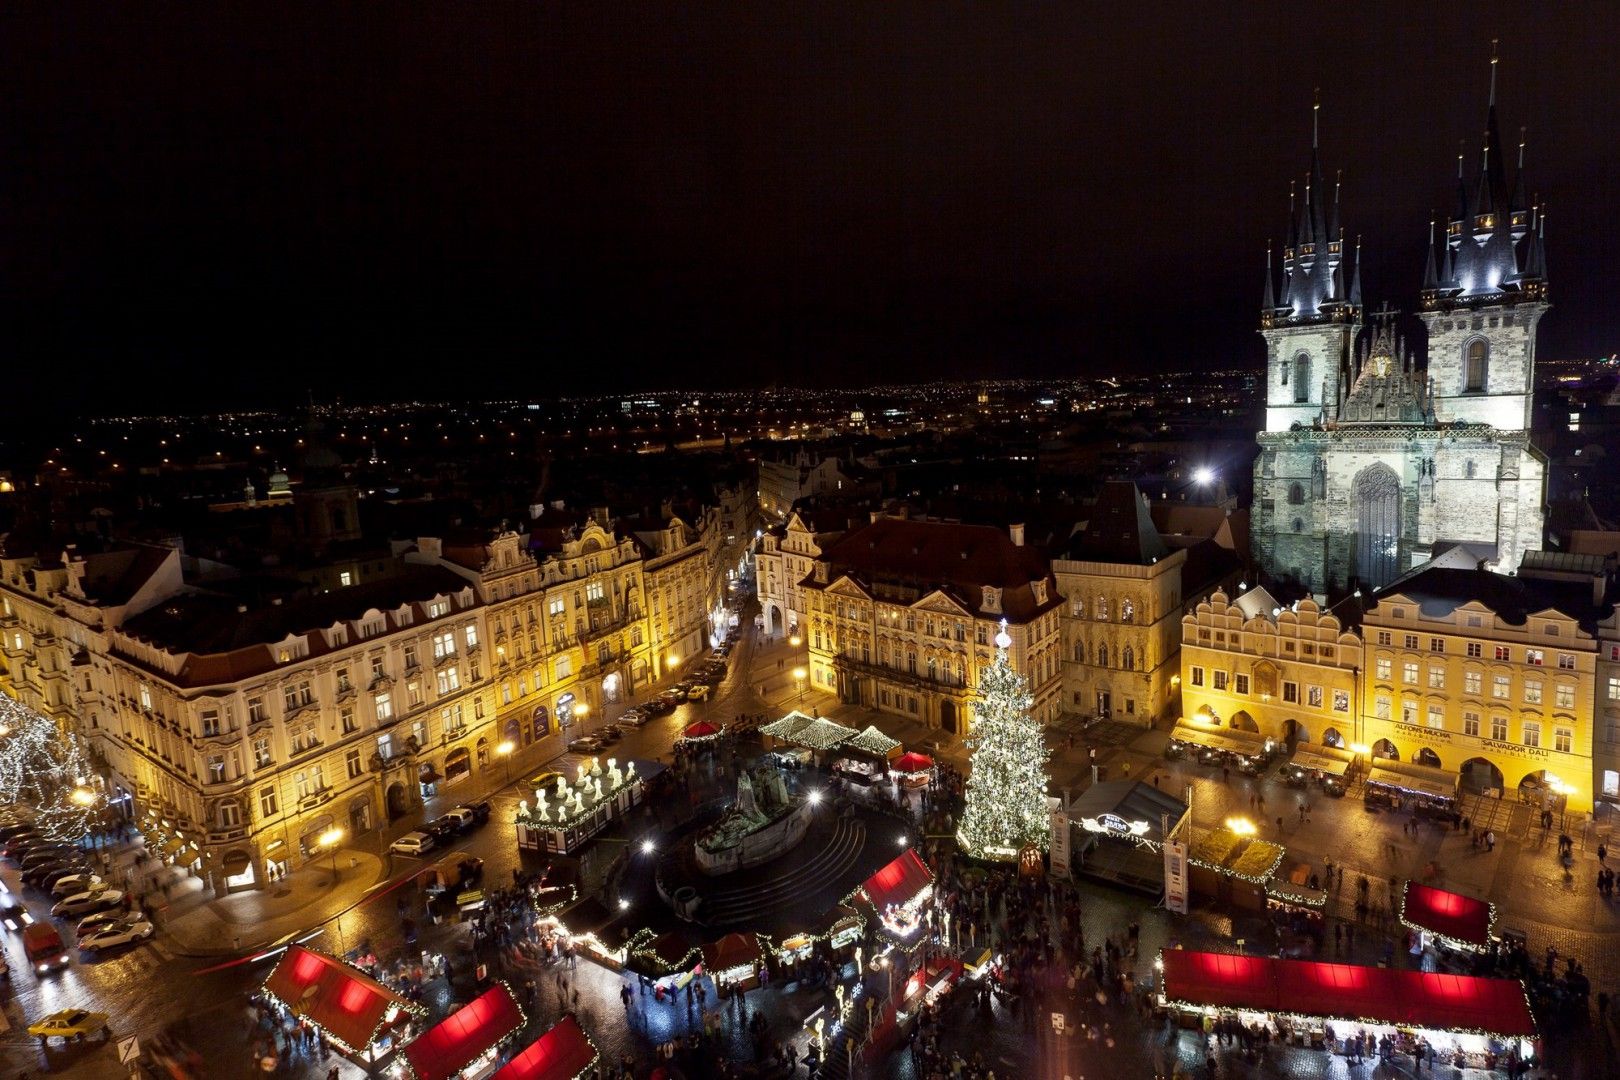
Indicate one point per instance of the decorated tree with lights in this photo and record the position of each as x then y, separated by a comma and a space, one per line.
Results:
44, 767
1006, 789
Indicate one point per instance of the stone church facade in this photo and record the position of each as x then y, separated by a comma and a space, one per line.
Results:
1369, 462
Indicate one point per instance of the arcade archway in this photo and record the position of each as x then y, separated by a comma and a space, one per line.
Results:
1428, 757
1242, 721
1480, 776
1383, 748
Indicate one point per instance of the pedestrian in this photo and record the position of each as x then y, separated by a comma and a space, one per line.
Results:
1490, 840
1279, 825
1602, 852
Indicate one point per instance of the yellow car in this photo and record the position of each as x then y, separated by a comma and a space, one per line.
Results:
70, 1024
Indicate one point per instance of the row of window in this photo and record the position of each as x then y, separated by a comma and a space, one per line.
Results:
1289, 645
1529, 733
1099, 609
1476, 650
1473, 683
1314, 697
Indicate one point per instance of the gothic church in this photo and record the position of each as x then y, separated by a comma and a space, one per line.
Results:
1368, 462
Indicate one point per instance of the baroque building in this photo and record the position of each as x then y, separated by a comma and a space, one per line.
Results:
902, 616
1369, 461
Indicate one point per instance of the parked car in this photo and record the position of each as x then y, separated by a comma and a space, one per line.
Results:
480, 812
69, 1024
443, 829
39, 872
55, 853
676, 693
700, 692
635, 717
609, 733
659, 705
69, 884
101, 920
130, 931
47, 881
588, 744
412, 843
462, 817
84, 903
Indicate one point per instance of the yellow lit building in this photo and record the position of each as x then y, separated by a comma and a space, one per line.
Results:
1288, 673
1490, 676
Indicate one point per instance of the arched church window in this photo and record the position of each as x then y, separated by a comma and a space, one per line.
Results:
1299, 525
1302, 378
1102, 656
1127, 611
1285, 369
1102, 609
1475, 364
1470, 470
1296, 494
1127, 659
1079, 652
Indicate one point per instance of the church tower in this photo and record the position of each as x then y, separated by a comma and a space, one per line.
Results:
1310, 321
1369, 464
1485, 291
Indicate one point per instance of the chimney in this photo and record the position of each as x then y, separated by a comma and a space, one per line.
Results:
1016, 531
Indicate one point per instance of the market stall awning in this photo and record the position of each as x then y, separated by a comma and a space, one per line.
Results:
464, 1036
733, 950
701, 730
1450, 915
348, 1005
1126, 809
874, 742
1417, 779
823, 734
1418, 999
789, 726
899, 881
562, 1053
1230, 739
912, 762
1329, 763
1220, 979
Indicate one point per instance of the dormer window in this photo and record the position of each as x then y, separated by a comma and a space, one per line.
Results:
438, 609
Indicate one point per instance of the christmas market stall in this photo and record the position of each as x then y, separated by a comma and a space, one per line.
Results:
1116, 833
563, 1053
560, 819
1324, 766
865, 758
700, 733
898, 895
1406, 786
1446, 919
360, 1016
913, 769
1471, 1022
816, 734
1246, 751
466, 1044
733, 963
1230, 866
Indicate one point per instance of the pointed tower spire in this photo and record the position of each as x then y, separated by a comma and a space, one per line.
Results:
1488, 211
1518, 212
1333, 225
1459, 218
1293, 222
1355, 282
1268, 302
1431, 280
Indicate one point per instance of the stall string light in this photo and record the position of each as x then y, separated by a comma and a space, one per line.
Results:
523, 1022
405, 1006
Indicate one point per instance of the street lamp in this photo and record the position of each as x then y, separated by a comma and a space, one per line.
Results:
799, 673
330, 840
582, 709
504, 751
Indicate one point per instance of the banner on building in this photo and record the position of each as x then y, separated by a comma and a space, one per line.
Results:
1175, 876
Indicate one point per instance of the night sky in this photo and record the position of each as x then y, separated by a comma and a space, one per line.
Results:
217, 205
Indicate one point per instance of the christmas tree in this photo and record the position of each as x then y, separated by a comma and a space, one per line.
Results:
1006, 790
43, 767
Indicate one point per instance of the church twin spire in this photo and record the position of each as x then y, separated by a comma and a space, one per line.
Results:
1492, 250
1313, 275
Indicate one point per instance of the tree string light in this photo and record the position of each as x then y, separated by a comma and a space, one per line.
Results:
1006, 791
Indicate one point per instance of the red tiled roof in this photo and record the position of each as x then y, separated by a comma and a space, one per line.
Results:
1419, 999
455, 1042
956, 559
899, 881
1448, 914
348, 1005
560, 1054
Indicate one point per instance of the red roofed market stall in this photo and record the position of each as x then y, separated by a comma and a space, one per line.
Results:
355, 1011
563, 1053
474, 1031
1479, 1018
1451, 919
